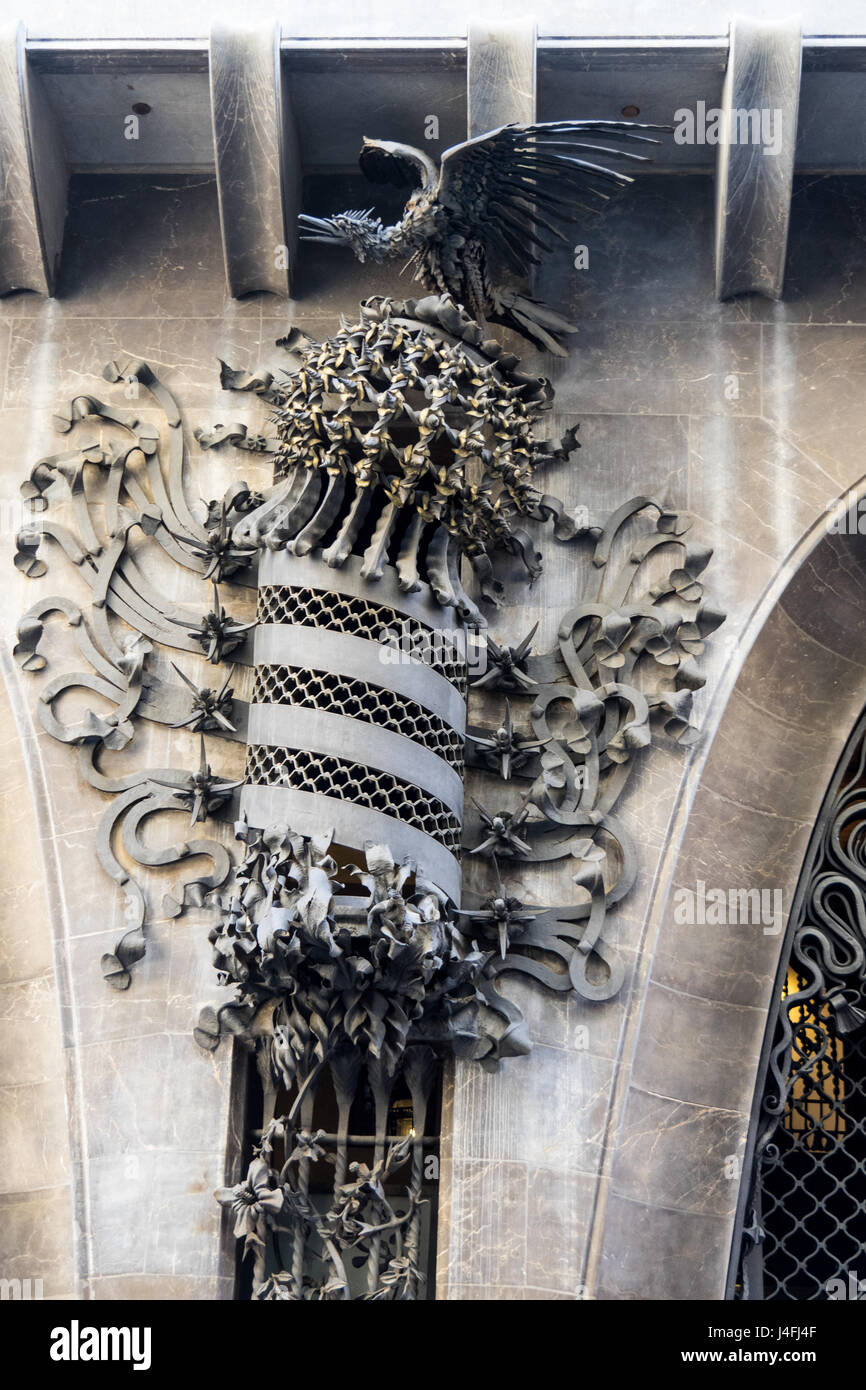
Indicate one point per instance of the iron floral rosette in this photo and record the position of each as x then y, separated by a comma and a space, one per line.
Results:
316, 983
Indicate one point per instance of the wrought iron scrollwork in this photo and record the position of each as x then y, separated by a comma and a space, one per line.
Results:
623, 662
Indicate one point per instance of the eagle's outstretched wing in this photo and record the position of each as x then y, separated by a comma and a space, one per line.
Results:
512, 185
383, 161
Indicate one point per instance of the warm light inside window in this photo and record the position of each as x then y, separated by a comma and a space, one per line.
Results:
815, 1107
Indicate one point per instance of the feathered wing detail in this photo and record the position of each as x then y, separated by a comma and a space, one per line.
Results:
514, 185
531, 318
383, 161
510, 193
501, 199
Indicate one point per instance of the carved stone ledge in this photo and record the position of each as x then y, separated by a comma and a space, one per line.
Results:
257, 161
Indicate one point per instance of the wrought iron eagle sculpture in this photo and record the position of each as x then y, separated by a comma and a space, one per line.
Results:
490, 207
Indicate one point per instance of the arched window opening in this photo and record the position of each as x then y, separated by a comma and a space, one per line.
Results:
802, 1232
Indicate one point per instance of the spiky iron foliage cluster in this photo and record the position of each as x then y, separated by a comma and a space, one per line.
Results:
332, 985
415, 401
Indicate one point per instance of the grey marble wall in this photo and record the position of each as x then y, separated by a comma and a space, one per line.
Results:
567, 1172
38, 1231
601, 1166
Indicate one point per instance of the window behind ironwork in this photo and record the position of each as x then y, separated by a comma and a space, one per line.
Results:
814, 1183
353, 1164
804, 1227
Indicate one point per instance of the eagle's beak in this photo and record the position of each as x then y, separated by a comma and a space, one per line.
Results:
322, 229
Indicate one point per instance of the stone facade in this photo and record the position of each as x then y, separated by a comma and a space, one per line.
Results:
594, 1166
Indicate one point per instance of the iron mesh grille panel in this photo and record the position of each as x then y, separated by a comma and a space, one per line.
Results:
306, 689
805, 1215
282, 603
326, 775
814, 1184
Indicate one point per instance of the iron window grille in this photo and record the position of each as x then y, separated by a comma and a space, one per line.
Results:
358, 1134
802, 1228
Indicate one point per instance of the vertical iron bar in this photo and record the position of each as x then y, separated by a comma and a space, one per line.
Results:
381, 1083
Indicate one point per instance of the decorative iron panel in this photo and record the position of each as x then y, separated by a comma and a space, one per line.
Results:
805, 1226
357, 1125
358, 969
814, 1184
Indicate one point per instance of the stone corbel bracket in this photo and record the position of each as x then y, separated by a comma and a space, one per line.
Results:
500, 74
501, 78
257, 157
34, 174
755, 161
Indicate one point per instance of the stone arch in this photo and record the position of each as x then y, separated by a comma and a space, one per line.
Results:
780, 721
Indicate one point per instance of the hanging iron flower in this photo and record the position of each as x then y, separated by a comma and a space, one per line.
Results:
202, 790
502, 832
210, 708
218, 634
505, 750
506, 666
502, 917
253, 1203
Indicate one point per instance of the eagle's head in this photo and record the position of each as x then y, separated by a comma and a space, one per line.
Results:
360, 231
